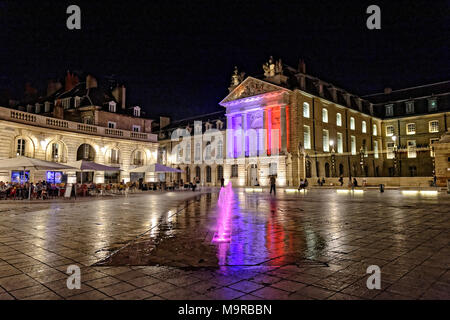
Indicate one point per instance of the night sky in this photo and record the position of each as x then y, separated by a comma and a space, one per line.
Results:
176, 57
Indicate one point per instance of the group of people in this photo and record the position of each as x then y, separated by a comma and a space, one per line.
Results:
39, 190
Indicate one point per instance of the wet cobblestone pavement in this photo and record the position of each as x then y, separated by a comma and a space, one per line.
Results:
316, 245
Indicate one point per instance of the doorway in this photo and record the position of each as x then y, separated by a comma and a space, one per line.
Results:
253, 175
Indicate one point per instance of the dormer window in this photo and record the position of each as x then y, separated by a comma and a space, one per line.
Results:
410, 107
66, 103
47, 106
77, 101
112, 106
219, 125
432, 105
208, 126
38, 107
389, 110
136, 111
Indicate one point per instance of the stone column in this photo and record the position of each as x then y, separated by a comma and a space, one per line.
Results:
229, 151
283, 129
244, 131
263, 149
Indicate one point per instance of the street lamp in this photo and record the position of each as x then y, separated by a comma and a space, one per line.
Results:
333, 159
394, 138
361, 160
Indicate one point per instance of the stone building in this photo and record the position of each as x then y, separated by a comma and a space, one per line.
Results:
304, 127
79, 120
194, 145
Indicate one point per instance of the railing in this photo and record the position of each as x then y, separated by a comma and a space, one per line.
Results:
49, 122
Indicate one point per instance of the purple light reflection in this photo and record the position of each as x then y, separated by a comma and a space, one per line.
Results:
223, 233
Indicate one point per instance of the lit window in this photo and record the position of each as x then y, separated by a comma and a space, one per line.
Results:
306, 137
137, 111
364, 127
305, 109
410, 107
55, 151
21, 143
112, 106
375, 149
411, 128
325, 115
412, 149
338, 119
340, 146
433, 126
353, 144
375, 130
432, 147
390, 150
389, 110
389, 131
352, 123
326, 140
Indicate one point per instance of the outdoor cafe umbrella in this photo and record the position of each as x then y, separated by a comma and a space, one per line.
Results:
83, 165
25, 163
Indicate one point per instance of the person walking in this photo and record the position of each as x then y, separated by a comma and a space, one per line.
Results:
222, 182
273, 181
341, 180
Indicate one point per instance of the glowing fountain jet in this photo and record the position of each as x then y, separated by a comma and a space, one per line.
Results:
223, 233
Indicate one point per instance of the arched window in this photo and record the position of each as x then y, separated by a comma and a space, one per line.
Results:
198, 172
86, 152
308, 168
341, 169
208, 151
208, 174
219, 173
327, 169
188, 153
197, 151
188, 174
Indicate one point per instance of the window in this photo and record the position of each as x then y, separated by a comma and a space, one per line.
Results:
338, 119
413, 171
111, 125
433, 126
389, 131
47, 107
306, 137
273, 169
208, 174
412, 149
325, 115
305, 109
390, 150
234, 171
340, 147
410, 107
432, 147
77, 101
352, 123
375, 149
114, 156
112, 106
55, 151
364, 127
219, 149
38, 108
136, 128
188, 153
198, 172
219, 173
326, 140
375, 130
208, 151
411, 128
21, 143
432, 105
136, 111
138, 160
389, 110
353, 144
197, 152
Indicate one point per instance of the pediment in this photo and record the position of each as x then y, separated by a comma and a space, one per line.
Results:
251, 87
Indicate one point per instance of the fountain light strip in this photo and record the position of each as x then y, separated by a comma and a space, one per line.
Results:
348, 191
253, 189
422, 192
295, 190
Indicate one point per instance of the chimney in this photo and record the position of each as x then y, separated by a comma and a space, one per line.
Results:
71, 81
387, 90
53, 86
333, 93
319, 86
359, 102
302, 66
91, 82
347, 99
123, 97
58, 110
164, 122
